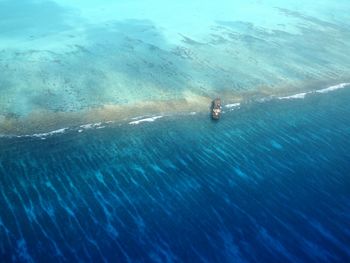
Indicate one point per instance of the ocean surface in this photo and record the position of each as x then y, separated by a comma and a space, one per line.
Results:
269, 182
108, 152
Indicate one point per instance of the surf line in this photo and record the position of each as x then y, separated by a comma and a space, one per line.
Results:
325, 90
150, 119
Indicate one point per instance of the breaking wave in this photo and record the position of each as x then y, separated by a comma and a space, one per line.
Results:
233, 105
325, 90
333, 88
150, 119
146, 119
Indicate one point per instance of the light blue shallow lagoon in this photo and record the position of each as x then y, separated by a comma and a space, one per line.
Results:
108, 152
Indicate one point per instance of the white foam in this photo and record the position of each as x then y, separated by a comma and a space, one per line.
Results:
138, 117
233, 105
91, 125
151, 119
326, 90
97, 125
45, 134
295, 96
333, 88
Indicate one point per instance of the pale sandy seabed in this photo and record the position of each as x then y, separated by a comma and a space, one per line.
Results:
64, 64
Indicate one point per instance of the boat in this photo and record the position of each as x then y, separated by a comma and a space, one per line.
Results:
216, 109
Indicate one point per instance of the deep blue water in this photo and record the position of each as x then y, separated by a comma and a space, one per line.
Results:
270, 182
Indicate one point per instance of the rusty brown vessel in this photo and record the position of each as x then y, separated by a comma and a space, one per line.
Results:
216, 109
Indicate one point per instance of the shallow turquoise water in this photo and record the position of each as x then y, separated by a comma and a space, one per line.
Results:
64, 56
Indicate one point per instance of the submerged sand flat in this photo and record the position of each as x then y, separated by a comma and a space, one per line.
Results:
64, 63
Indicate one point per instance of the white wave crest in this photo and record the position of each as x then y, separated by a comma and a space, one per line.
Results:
91, 125
44, 134
35, 135
139, 117
233, 105
333, 88
151, 119
325, 90
295, 96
